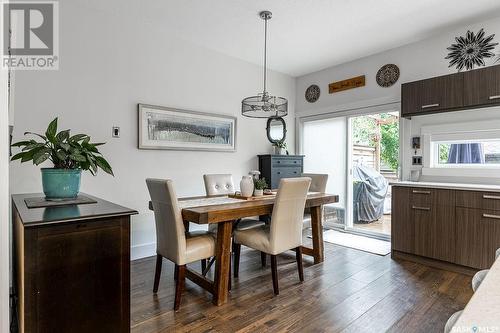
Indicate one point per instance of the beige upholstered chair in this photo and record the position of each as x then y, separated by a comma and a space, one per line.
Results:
452, 321
481, 275
220, 184
285, 230
172, 242
216, 184
318, 184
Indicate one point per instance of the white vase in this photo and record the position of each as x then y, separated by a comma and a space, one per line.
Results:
246, 186
258, 193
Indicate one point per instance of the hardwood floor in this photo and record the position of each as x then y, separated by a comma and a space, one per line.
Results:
352, 291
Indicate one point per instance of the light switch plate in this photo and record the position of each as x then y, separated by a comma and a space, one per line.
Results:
116, 132
416, 160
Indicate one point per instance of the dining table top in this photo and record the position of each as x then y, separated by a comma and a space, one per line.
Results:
221, 208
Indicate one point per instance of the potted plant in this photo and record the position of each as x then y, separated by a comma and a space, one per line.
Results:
280, 148
69, 154
259, 186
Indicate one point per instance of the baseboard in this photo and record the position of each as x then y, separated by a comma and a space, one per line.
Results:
142, 251
444, 265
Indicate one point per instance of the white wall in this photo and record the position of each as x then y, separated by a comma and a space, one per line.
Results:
416, 61
111, 62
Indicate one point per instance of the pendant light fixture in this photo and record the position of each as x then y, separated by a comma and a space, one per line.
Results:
264, 105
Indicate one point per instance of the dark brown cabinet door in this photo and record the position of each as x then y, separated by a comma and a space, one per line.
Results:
482, 86
478, 237
431, 95
81, 277
402, 228
433, 215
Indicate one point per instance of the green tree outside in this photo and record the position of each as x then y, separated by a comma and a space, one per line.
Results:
364, 133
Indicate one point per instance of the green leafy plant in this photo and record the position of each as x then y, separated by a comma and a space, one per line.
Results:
280, 144
64, 150
260, 184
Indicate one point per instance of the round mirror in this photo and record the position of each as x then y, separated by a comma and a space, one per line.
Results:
276, 129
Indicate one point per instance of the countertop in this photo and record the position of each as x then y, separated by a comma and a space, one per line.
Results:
452, 186
61, 214
482, 313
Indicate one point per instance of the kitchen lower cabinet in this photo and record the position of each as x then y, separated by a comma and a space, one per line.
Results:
454, 226
479, 237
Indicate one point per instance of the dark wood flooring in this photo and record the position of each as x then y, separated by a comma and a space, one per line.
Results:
352, 291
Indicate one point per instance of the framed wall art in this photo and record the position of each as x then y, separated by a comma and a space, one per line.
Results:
169, 128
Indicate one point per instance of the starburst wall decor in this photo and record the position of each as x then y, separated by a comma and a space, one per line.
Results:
471, 50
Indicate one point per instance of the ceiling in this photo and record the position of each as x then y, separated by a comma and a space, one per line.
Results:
305, 35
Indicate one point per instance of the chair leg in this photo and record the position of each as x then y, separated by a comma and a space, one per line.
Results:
300, 266
274, 270
210, 263
176, 272
236, 252
179, 285
159, 260
263, 257
203, 265
229, 279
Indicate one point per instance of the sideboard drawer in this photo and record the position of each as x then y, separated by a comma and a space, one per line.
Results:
286, 161
288, 172
479, 200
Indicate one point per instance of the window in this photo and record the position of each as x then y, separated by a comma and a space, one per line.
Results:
462, 153
465, 149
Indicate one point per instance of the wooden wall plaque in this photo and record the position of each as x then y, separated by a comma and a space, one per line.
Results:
355, 82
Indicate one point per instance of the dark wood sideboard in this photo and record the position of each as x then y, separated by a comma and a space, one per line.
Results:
460, 91
275, 167
460, 227
72, 266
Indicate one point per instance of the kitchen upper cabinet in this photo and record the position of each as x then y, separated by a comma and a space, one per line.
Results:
482, 86
431, 95
473, 89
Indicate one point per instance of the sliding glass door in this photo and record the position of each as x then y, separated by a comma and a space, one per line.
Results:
360, 153
325, 148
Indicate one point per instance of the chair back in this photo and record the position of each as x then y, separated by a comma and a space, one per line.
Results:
219, 184
170, 231
318, 181
288, 212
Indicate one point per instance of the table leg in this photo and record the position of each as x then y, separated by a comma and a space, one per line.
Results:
223, 258
317, 234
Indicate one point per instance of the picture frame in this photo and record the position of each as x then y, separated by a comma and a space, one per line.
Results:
177, 129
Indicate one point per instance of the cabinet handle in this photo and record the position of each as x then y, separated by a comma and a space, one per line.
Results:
494, 197
278, 162
279, 173
429, 106
421, 208
421, 192
494, 97
490, 216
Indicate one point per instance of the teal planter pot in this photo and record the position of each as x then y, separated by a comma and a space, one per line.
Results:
61, 184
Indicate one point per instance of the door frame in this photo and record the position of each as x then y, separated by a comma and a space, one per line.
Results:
348, 114
4, 203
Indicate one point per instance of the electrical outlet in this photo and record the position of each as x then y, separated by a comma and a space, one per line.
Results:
116, 132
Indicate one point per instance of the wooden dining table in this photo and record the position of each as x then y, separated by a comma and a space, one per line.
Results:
224, 211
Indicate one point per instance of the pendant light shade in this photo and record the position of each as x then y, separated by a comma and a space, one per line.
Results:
264, 105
